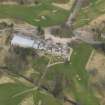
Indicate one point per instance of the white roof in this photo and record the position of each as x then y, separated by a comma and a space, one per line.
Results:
22, 41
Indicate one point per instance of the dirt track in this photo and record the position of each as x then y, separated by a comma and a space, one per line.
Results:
97, 61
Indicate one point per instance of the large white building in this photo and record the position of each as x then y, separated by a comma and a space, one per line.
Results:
22, 41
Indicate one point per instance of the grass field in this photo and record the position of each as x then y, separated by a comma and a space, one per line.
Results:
79, 87
14, 94
95, 9
61, 1
33, 14
7, 91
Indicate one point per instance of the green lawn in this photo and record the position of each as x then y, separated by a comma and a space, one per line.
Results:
80, 89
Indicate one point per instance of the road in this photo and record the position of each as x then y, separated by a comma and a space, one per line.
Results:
85, 35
